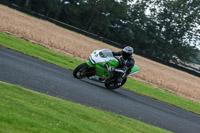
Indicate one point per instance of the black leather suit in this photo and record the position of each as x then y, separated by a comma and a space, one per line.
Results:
126, 64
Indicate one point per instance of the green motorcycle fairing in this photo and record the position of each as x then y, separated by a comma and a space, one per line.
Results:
101, 70
134, 70
99, 58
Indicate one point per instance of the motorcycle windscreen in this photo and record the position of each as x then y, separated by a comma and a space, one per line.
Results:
134, 70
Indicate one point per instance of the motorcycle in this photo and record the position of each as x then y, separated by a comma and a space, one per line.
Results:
97, 69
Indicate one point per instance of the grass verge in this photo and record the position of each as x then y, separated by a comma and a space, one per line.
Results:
70, 63
24, 110
162, 95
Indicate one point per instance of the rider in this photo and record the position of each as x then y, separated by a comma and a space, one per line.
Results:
126, 63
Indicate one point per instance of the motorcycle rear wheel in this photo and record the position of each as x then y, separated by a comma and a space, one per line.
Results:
113, 85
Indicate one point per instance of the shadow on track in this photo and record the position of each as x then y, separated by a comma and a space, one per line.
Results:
113, 91
127, 94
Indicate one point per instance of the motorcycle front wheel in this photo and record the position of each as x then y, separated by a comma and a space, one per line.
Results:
81, 71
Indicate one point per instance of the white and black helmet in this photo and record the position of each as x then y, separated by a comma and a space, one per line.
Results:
127, 52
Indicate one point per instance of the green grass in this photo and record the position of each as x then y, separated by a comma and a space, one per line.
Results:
38, 51
23, 111
70, 63
162, 95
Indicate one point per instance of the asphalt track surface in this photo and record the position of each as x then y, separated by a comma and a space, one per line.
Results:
53, 80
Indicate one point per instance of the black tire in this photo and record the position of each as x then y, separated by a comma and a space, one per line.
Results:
81, 71
113, 85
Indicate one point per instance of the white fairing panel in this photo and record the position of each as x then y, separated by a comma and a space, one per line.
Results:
99, 56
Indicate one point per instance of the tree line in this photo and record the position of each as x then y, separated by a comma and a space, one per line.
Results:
162, 29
